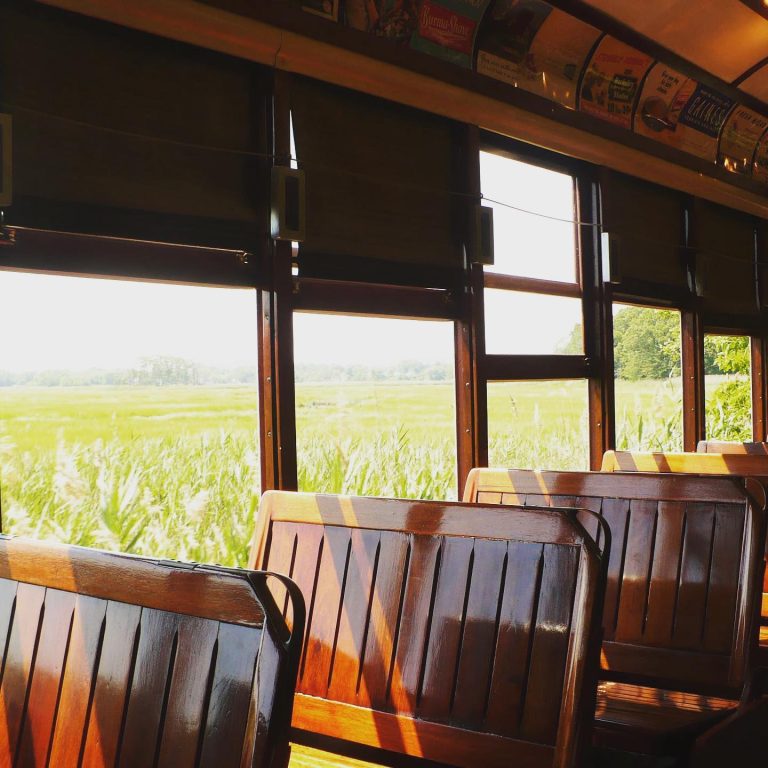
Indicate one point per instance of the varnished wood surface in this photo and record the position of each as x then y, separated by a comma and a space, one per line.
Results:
152, 583
721, 446
101, 680
683, 581
439, 630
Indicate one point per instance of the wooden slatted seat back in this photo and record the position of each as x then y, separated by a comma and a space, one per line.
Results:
461, 635
753, 466
722, 446
682, 597
111, 660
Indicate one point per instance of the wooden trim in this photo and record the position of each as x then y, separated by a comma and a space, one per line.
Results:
759, 393
420, 517
468, 388
284, 433
265, 43
744, 465
193, 590
524, 367
338, 297
597, 323
63, 253
531, 285
692, 365
445, 744
649, 486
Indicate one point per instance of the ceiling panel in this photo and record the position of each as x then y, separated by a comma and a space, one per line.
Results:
724, 37
757, 84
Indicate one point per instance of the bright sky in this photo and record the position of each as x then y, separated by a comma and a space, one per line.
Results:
50, 322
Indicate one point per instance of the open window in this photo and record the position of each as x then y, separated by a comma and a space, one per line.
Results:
375, 406
728, 387
128, 415
647, 358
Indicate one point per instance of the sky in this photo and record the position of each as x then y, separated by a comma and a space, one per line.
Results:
54, 322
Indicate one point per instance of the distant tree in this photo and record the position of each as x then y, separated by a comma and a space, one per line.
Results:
646, 343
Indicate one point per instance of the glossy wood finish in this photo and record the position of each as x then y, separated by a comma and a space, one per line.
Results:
683, 573
111, 660
435, 630
722, 446
690, 463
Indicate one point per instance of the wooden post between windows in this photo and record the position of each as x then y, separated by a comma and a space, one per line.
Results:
759, 415
693, 380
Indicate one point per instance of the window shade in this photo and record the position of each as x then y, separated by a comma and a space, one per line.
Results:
646, 222
108, 118
725, 259
379, 183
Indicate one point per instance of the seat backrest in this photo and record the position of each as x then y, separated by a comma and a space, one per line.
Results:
744, 465
456, 633
722, 446
111, 660
682, 598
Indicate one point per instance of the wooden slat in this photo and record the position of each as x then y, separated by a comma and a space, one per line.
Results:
694, 576
637, 570
383, 623
473, 677
723, 580
355, 613
309, 539
17, 672
323, 625
49, 662
665, 574
231, 692
149, 686
77, 681
516, 619
412, 637
110, 694
616, 513
445, 629
550, 643
185, 715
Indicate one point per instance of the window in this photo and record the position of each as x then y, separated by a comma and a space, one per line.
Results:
538, 425
537, 396
533, 214
728, 387
375, 406
128, 415
647, 359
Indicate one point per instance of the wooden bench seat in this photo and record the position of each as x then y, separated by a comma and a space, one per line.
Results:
681, 604
462, 635
722, 446
751, 464
111, 660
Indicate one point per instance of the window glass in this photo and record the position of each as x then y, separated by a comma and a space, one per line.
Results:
128, 415
728, 387
518, 323
533, 215
538, 425
649, 395
375, 406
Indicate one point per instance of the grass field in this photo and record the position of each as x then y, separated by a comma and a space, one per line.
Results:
174, 471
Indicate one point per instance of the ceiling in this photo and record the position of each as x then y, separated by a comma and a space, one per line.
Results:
728, 38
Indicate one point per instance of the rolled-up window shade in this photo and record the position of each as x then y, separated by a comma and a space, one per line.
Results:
108, 118
646, 226
379, 184
725, 259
